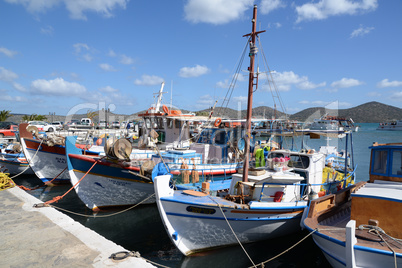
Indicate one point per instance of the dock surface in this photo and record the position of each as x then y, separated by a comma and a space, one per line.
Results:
45, 237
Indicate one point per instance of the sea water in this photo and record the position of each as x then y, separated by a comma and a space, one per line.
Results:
141, 229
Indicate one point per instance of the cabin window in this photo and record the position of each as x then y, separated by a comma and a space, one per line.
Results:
147, 123
169, 123
397, 162
274, 155
220, 137
380, 162
177, 123
299, 161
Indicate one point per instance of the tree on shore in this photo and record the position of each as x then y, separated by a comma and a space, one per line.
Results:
34, 117
4, 115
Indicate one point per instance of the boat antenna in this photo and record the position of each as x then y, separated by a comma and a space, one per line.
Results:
252, 76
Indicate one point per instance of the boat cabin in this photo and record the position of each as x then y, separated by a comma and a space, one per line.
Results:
386, 162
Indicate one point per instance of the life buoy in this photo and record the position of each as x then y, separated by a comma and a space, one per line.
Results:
165, 109
218, 121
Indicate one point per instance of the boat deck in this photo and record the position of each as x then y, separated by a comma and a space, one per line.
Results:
335, 225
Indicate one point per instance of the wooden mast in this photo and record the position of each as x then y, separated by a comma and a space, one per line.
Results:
253, 51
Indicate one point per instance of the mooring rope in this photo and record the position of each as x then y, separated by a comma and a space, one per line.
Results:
283, 252
102, 216
121, 255
29, 165
233, 232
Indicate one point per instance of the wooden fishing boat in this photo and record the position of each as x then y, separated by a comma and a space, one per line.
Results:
360, 226
261, 203
13, 161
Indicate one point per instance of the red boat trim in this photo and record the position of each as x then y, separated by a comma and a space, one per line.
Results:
109, 163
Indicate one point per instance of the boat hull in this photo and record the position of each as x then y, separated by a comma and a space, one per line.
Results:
335, 252
106, 183
15, 165
197, 224
47, 162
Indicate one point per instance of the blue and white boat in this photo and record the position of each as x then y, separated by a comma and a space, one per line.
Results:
360, 226
13, 160
261, 203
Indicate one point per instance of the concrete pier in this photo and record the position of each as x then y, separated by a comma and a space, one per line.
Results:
45, 237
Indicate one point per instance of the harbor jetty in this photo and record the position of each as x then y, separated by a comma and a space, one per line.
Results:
45, 237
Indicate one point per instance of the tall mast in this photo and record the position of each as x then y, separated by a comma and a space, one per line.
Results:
159, 98
251, 84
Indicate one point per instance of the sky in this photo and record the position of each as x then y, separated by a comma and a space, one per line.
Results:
72, 56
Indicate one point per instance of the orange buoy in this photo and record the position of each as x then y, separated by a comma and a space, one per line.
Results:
165, 109
218, 121
99, 141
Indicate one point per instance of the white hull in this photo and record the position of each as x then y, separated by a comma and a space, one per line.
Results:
46, 165
98, 191
335, 252
194, 226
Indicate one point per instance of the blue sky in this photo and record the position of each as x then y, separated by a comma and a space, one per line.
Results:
70, 56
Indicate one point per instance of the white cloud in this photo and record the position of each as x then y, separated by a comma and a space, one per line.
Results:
106, 67
13, 99
76, 8
223, 84
269, 5
361, 31
108, 89
33, 6
19, 87
193, 71
149, 80
386, 83
215, 11
240, 99
274, 25
105, 7
7, 75
285, 80
80, 46
7, 52
57, 87
87, 57
325, 8
111, 53
346, 82
206, 100
126, 60
48, 30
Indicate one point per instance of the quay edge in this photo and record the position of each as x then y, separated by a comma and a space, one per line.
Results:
44, 237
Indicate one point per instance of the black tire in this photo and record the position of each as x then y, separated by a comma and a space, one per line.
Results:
50, 129
1, 135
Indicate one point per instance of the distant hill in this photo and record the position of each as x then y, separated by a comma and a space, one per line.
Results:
371, 112
258, 112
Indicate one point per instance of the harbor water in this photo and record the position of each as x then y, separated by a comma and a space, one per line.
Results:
141, 229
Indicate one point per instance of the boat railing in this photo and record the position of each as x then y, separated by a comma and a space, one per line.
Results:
328, 187
206, 173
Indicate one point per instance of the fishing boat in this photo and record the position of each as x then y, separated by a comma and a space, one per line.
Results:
262, 202
360, 226
47, 155
392, 126
13, 161
333, 123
